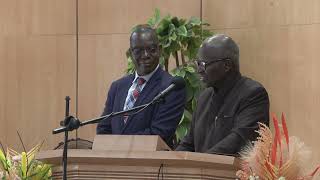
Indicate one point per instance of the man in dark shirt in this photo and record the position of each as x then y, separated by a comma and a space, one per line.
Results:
229, 109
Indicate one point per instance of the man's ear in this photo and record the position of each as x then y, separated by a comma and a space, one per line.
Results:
228, 65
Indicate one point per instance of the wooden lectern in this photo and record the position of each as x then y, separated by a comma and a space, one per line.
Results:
138, 157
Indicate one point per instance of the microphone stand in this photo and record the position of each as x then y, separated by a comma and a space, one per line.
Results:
74, 123
71, 123
65, 147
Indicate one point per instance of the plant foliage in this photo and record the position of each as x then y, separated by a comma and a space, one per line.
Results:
277, 157
179, 38
23, 166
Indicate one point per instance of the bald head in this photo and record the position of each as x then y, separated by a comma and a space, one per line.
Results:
220, 46
143, 31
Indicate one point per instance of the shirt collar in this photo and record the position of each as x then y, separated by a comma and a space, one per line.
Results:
146, 77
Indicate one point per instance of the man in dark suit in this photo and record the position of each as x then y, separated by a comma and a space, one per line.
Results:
136, 89
229, 109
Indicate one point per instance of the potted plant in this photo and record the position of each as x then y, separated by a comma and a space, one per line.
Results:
23, 166
179, 38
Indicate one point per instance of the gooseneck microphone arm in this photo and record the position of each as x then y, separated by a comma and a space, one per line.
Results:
74, 123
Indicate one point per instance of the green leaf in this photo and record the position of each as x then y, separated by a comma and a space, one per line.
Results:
155, 18
130, 66
181, 131
193, 79
161, 60
190, 92
24, 164
167, 43
187, 114
182, 21
180, 72
195, 21
157, 15
182, 31
172, 29
206, 34
175, 21
190, 69
174, 46
173, 37
194, 104
163, 26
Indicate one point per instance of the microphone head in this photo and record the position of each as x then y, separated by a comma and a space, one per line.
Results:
178, 82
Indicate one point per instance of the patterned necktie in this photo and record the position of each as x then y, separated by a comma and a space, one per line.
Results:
133, 95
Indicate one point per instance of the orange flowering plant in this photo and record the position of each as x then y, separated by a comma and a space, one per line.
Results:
275, 158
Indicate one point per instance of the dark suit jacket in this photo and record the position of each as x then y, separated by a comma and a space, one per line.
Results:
160, 119
225, 121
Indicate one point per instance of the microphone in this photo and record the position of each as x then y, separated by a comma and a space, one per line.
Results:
72, 123
177, 83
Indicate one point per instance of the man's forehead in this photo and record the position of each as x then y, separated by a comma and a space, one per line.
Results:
143, 39
217, 47
212, 52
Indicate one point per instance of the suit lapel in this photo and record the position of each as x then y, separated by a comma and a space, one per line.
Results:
151, 84
123, 92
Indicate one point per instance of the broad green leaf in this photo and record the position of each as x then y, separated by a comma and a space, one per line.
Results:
161, 60
173, 36
180, 72
174, 46
181, 132
187, 114
190, 92
195, 21
182, 119
172, 29
182, 31
206, 34
193, 79
175, 21
190, 69
167, 43
163, 26
182, 21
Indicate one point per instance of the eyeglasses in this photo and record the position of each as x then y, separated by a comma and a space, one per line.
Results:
149, 50
204, 64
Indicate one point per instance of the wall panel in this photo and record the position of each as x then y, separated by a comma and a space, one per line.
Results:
38, 68
101, 60
252, 13
15, 17
41, 73
3, 122
119, 16
49, 17
228, 13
